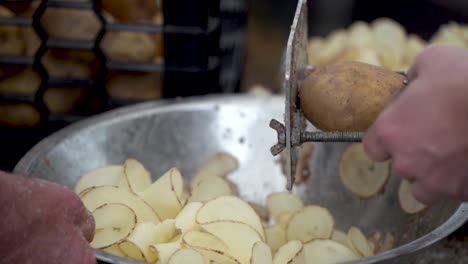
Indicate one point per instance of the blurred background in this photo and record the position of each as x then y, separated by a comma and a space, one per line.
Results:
61, 61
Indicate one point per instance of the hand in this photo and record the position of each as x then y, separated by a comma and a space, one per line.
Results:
425, 130
42, 222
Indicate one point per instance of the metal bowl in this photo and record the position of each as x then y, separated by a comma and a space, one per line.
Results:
183, 132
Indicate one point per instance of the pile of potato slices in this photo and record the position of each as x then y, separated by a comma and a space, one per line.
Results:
205, 221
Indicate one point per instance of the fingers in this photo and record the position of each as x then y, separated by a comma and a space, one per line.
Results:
374, 144
422, 194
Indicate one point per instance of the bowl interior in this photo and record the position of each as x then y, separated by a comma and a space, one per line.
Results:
184, 134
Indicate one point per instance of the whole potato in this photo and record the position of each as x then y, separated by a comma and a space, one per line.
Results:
131, 10
70, 23
348, 96
11, 40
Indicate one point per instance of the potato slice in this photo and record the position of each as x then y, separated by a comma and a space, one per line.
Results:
390, 38
340, 237
239, 237
408, 203
137, 178
186, 219
113, 223
187, 255
96, 196
312, 222
230, 208
275, 237
164, 251
107, 175
210, 188
261, 211
261, 254
387, 243
137, 245
214, 249
282, 202
218, 164
358, 242
327, 252
359, 174
114, 250
283, 219
176, 238
164, 195
291, 253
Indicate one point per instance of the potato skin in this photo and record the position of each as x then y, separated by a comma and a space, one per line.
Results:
348, 96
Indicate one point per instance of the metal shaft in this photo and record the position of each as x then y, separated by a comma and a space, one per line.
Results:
331, 136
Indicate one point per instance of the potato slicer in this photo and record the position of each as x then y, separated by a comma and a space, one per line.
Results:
292, 134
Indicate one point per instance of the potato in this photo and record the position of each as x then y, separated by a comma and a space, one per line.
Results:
187, 255
129, 46
303, 170
360, 36
219, 164
359, 54
107, 175
275, 237
340, 237
210, 188
283, 202
70, 23
114, 222
186, 219
334, 45
137, 245
283, 218
359, 174
408, 203
165, 250
327, 252
94, 197
314, 46
311, 222
164, 195
390, 38
261, 211
19, 115
213, 248
348, 96
358, 242
25, 82
261, 254
230, 208
239, 237
131, 10
414, 46
145, 86
114, 250
11, 40
61, 65
291, 253
65, 99
136, 177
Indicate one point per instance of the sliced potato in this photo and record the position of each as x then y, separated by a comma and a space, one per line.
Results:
186, 219
114, 250
261, 211
359, 174
187, 255
358, 242
291, 253
282, 202
239, 237
136, 176
137, 245
230, 208
164, 251
275, 237
327, 252
164, 195
261, 254
387, 243
311, 222
176, 238
361, 35
214, 249
94, 197
219, 164
283, 219
408, 203
113, 223
107, 175
340, 237
210, 188
390, 38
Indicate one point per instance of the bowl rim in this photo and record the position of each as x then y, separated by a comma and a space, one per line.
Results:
456, 220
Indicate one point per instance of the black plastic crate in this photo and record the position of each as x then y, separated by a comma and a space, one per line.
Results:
203, 43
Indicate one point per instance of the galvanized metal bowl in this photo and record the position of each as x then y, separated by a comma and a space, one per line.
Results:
183, 132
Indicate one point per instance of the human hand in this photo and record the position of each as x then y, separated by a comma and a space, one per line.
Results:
42, 222
425, 130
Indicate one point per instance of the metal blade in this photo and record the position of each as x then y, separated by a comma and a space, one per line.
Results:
295, 62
